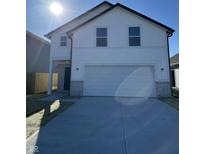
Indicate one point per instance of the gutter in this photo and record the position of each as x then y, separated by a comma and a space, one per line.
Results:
70, 36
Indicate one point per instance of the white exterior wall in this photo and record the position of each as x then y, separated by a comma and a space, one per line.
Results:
153, 49
176, 76
63, 53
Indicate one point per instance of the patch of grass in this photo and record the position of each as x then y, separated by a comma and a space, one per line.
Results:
172, 101
42, 117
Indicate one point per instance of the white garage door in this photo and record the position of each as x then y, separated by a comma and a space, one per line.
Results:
133, 81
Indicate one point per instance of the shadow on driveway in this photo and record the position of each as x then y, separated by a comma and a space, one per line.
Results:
108, 125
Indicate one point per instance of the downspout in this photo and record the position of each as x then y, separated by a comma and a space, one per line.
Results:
70, 36
170, 78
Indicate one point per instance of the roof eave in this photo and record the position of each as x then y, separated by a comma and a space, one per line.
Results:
48, 35
170, 31
37, 37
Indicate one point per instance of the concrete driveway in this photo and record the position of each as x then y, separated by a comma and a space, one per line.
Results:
106, 125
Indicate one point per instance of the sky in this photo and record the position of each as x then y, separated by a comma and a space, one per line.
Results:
40, 21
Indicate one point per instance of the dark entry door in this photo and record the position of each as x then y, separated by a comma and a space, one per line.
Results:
173, 78
67, 79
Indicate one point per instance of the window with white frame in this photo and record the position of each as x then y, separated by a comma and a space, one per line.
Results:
134, 36
101, 37
63, 41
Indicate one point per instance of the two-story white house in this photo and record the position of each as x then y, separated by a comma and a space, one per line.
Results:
111, 50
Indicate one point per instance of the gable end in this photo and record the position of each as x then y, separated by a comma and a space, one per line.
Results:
169, 30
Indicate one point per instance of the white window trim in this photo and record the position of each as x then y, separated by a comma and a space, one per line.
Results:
101, 36
135, 36
63, 41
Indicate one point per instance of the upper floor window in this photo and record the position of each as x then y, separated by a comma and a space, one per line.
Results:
134, 36
101, 37
63, 41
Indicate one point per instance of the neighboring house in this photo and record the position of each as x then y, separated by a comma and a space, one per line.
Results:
174, 62
37, 64
111, 50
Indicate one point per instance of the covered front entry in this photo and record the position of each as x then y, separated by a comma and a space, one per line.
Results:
128, 81
62, 68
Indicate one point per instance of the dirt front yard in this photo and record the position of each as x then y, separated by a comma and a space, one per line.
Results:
39, 112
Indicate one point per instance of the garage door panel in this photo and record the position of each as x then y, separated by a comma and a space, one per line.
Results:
135, 81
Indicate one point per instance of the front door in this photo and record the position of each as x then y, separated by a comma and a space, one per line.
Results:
173, 78
67, 79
